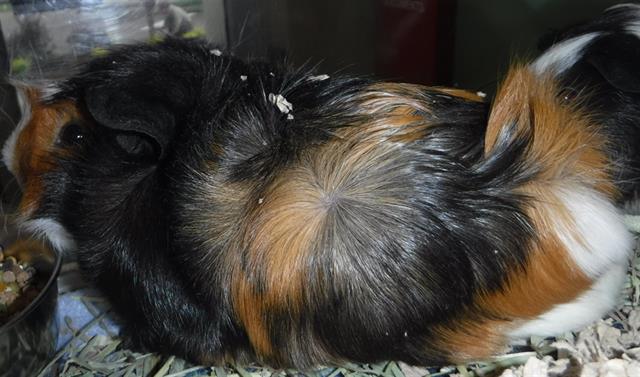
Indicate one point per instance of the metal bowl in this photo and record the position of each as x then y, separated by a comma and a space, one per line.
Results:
28, 340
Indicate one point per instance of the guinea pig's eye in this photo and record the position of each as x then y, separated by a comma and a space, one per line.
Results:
72, 134
136, 145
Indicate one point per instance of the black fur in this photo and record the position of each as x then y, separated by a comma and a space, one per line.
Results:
404, 270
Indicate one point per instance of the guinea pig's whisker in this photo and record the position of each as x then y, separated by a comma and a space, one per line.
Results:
242, 38
8, 117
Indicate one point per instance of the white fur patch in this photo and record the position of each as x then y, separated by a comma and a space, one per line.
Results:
598, 237
9, 149
598, 241
53, 231
592, 305
563, 55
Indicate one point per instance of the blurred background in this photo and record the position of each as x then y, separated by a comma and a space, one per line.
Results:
462, 43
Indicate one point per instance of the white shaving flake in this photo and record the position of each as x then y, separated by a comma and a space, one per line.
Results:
534, 367
283, 105
243, 77
547, 367
318, 78
412, 371
271, 74
290, 116
481, 94
260, 201
215, 52
600, 349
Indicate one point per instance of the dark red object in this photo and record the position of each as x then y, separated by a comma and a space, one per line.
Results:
415, 40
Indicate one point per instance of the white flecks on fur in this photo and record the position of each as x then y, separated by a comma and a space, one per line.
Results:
563, 55
215, 52
592, 305
9, 149
243, 77
597, 238
52, 231
281, 103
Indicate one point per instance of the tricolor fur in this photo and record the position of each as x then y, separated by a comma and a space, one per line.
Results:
596, 65
367, 221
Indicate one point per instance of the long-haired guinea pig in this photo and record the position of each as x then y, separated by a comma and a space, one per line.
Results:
249, 212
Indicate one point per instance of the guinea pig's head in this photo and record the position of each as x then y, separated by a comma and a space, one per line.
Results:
90, 147
46, 132
596, 67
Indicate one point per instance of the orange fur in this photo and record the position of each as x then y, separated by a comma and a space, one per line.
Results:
36, 143
472, 338
549, 278
279, 236
567, 150
565, 142
286, 220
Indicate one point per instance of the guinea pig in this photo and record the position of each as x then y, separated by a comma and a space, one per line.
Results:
242, 211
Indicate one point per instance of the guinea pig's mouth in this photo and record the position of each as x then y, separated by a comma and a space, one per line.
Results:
50, 231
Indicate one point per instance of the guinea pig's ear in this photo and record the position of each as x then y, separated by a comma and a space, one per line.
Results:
617, 59
119, 110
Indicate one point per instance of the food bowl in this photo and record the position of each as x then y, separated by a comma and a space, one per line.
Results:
28, 340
